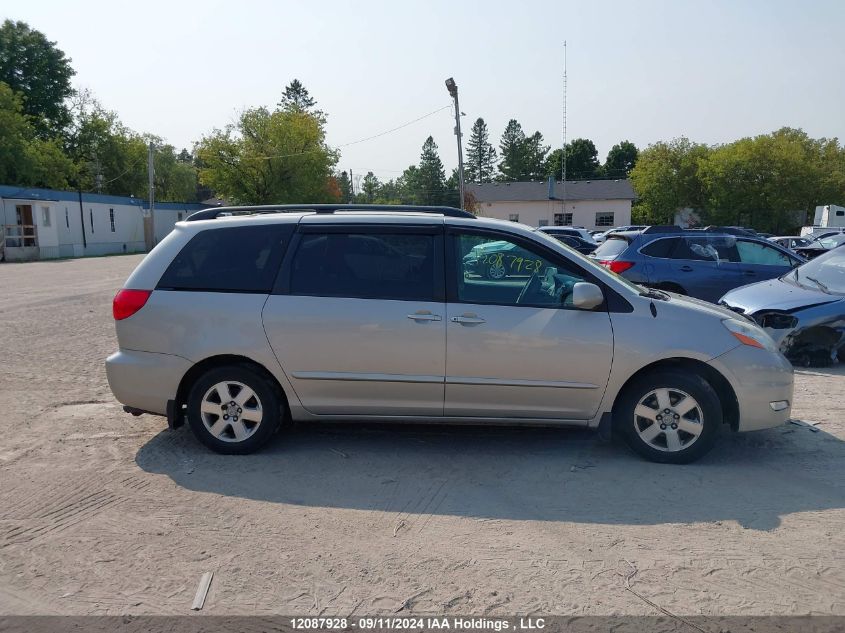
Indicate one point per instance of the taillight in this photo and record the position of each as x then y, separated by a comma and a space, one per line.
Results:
615, 265
128, 302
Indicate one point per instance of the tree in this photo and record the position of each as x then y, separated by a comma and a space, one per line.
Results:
370, 187
345, 186
110, 157
430, 176
620, 160
32, 65
666, 179
763, 181
535, 157
296, 98
26, 160
481, 155
512, 145
582, 160
269, 158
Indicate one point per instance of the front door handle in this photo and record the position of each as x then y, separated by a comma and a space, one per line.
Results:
686, 269
424, 316
468, 319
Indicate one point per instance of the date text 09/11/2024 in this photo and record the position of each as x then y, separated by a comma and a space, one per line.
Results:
417, 623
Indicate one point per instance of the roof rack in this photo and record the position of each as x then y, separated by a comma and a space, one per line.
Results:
215, 212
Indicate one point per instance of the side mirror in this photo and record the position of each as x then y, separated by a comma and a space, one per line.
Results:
586, 296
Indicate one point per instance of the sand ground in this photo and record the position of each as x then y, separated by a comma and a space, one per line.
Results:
103, 513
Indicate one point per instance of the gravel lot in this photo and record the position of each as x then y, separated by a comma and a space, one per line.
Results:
103, 513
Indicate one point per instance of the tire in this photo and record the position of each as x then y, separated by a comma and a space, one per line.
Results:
682, 439
255, 416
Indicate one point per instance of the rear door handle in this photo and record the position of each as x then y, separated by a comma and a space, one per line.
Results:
424, 316
686, 269
468, 319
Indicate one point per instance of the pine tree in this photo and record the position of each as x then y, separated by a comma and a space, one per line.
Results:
430, 177
535, 157
296, 98
481, 155
370, 186
513, 164
345, 186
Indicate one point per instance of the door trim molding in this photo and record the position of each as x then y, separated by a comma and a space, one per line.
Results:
513, 382
364, 377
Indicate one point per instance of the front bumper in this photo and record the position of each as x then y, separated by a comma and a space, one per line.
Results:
759, 378
145, 380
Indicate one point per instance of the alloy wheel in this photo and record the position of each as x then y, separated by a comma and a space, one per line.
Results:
231, 411
668, 419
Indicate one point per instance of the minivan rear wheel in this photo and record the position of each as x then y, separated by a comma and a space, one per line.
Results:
669, 417
233, 410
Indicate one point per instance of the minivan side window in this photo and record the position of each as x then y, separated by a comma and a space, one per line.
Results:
755, 253
384, 266
491, 270
231, 259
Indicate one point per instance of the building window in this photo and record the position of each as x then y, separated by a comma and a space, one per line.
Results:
604, 219
45, 216
544, 223
67, 219
513, 217
111, 219
91, 218
563, 219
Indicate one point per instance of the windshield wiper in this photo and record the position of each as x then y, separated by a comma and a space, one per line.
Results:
821, 286
652, 293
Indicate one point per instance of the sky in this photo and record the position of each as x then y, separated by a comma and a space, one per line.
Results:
643, 71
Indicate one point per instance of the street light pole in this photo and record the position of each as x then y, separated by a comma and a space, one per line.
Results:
150, 175
452, 87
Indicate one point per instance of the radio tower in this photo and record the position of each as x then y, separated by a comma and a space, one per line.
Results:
563, 147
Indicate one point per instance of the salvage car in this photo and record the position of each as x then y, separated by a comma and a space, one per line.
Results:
803, 311
821, 245
243, 321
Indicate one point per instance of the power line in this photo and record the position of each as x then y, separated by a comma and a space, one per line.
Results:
362, 140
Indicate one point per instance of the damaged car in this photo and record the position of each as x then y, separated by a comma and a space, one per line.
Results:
803, 310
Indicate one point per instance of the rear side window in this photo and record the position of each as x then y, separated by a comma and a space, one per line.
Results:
754, 253
611, 247
236, 259
660, 248
367, 266
708, 248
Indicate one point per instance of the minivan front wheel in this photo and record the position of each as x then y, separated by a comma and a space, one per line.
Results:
233, 410
669, 417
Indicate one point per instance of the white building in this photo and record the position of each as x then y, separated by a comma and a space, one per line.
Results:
49, 223
592, 204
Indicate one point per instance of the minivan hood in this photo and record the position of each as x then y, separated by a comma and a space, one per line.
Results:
699, 305
776, 294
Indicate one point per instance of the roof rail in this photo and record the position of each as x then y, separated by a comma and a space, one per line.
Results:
663, 228
215, 212
731, 230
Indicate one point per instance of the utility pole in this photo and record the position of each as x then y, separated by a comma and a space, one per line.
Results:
151, 174
452, 87
563, 149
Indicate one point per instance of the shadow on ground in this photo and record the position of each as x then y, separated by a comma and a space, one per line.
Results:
517, 473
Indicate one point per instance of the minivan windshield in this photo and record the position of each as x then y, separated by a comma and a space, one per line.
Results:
825, 273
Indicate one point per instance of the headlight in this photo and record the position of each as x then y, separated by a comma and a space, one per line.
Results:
749, 334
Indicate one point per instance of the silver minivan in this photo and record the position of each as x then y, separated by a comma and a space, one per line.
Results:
245, 319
